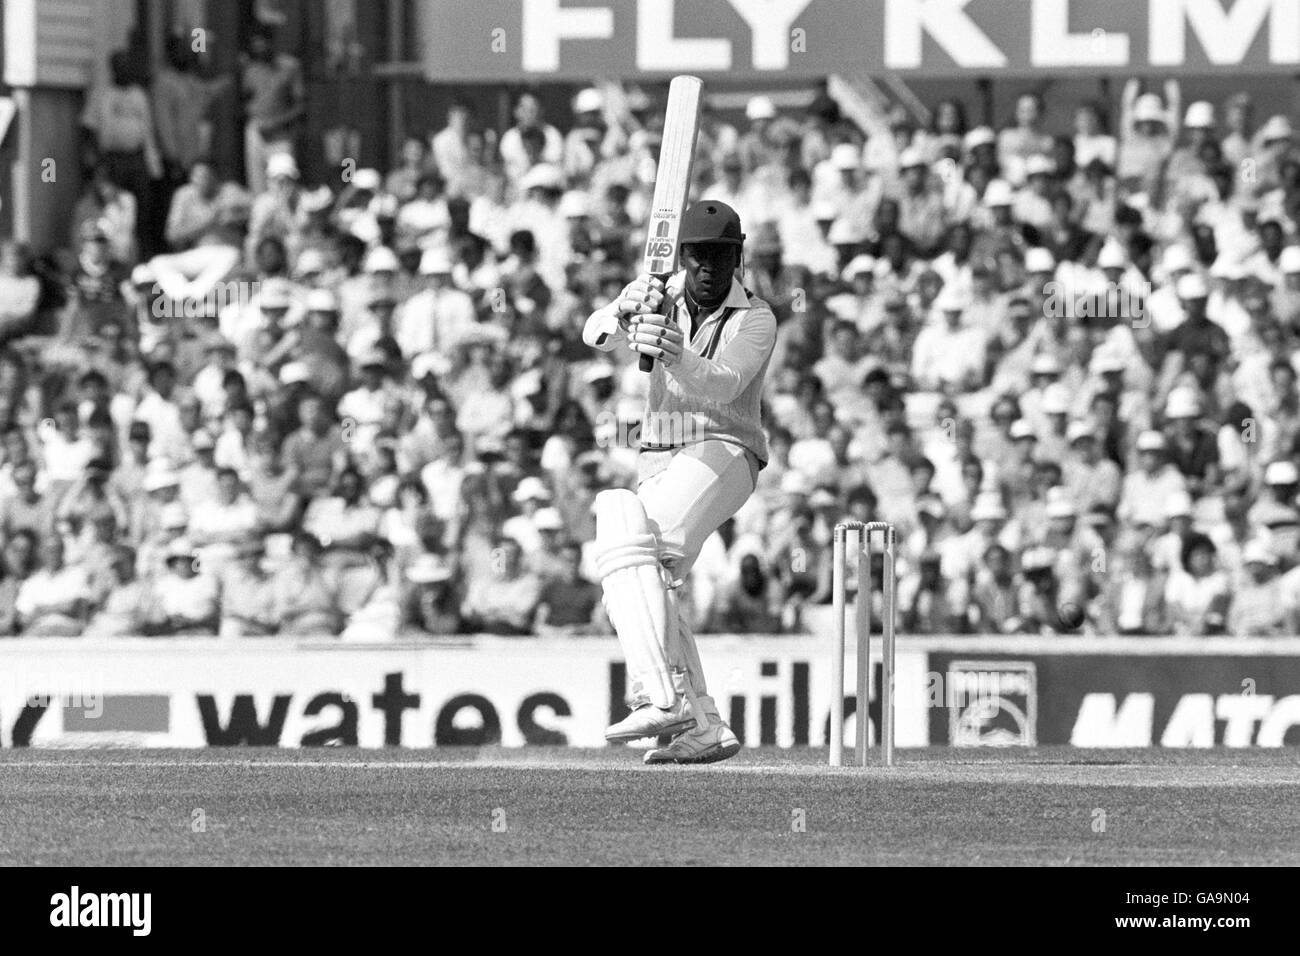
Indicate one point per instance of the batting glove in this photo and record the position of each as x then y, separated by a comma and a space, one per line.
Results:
655, 336
643, 296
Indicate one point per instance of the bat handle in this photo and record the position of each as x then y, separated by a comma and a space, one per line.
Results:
647, 363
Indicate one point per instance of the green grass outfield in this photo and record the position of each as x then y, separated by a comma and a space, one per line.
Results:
552, 806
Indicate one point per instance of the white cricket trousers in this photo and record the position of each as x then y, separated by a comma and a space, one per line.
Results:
688, 493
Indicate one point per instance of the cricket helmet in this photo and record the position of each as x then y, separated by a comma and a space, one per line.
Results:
711, 221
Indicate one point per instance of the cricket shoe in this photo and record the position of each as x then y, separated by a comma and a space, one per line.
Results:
699, 745
652, 721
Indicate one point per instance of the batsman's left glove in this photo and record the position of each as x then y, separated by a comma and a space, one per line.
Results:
656, 336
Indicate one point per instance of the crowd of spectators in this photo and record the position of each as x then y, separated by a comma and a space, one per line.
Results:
1060, 357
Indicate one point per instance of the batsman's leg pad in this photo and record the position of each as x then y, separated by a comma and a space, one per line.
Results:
684, 659
627, 560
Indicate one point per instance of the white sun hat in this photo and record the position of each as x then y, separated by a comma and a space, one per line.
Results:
1039, 259
999, 193
760, 108
1200, 115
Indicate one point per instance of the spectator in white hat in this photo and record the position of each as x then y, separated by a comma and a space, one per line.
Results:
588, 139
922, 212
756, 146
530, 497
436, 317
861, 305
432, 605
1261, 606
1275, 140
1072, 540
425, 219
217, 525
374, 266
1092, 479
1148, 131
1033, 204
514, 152
847, 236
842, 182
949, 353
1196, 336
376, 328
487, 410
836, 177
1040, 268
1052, 423
198, 477
312, 452
1199, 124
1148, 487
1166, 548
999, 230
184, 600
347, 525
274, 213
1192, 447
270, 309
962, 555
544, 558
1286, 295
1162, 305
366, 408
315, 347
537, 212
1276, 510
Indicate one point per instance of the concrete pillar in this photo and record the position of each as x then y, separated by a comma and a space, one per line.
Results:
46, 173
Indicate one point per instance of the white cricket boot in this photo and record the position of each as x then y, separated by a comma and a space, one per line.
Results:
707, 744
651, 721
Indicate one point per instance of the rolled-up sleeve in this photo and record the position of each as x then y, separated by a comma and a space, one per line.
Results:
723, 379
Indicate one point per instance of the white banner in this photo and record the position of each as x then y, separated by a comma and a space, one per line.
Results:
515, 692
966, 691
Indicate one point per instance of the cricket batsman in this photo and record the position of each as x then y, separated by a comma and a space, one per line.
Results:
702, 446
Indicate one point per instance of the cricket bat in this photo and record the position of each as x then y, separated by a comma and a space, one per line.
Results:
672, 182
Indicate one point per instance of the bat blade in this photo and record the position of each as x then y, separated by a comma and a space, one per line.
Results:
672, 180
673, 175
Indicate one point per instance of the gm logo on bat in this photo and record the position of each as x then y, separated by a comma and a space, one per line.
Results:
658, 249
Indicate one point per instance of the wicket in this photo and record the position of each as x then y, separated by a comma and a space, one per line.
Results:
839, 598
